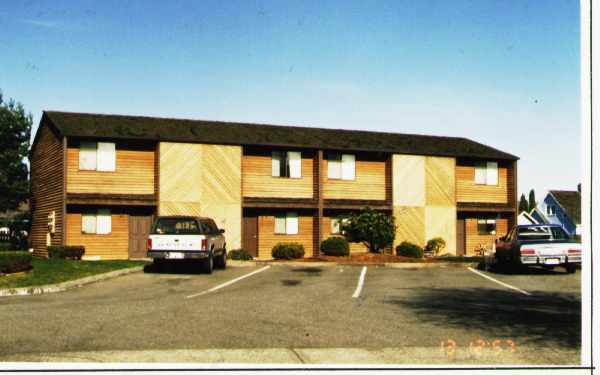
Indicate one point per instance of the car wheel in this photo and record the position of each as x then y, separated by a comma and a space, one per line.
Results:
221, 261
571, 268
208, 264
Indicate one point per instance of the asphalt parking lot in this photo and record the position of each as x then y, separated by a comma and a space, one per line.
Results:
435, 312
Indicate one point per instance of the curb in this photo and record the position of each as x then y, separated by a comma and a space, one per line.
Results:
60, 287
405, 265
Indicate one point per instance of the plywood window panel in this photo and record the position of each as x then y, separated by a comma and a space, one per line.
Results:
280, 225
492, 173
295, 164
104, 222
480, 173
348, 167
88, 223
87, 156
334, 166
286, 224
291, 223
106, 157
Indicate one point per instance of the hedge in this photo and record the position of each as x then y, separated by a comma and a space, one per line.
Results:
335, 246
66, 252
14, 261
290, 250
408, 249
239, 254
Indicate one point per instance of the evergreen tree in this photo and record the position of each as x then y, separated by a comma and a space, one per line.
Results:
523, 204
532, 202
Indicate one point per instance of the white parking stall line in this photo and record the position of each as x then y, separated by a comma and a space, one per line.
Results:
361, 281
220, 286
499, 282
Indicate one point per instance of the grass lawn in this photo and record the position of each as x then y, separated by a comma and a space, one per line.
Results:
52, 271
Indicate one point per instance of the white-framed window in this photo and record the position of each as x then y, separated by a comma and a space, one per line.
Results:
486, 226
550, 210
286, 164
100, 156
336, 225
341, 166
286, 223
486, 173
99, 222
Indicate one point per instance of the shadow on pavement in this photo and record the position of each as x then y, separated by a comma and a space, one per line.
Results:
177, 268
542, 319
313, 271
523, 270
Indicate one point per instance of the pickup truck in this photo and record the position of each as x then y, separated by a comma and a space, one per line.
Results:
184, 238
546, 245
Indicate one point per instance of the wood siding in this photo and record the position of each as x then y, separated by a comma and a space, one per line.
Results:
369, 182
107, 246
134, 172
468, 191
203, 180
326, 230
257, 179
267, 237
47, 189
474, 240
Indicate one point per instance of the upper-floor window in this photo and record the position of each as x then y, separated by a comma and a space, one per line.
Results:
486, 173
286, 223
550, 210
486, 227
99, 222
341, 166
286, 164
97, 156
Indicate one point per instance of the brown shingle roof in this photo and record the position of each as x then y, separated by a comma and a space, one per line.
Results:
570, 202
217, 132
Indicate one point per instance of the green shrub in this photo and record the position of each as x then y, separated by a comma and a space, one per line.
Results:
435, 245
407, 249
289, 250
239, 254
373, 228
66, 252
335, 246
14, 261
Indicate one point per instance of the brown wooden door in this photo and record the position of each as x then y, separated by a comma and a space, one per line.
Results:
251, 235
460, 237
139, 229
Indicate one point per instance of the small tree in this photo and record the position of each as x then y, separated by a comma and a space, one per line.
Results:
15, 129
523, 204
374, 229
532, 202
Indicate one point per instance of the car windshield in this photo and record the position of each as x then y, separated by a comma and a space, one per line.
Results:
173, 225
535, 233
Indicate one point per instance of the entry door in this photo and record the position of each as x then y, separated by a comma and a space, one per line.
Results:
460, 237
251, 235
139, 229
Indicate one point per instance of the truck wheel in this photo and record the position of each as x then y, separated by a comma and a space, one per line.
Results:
208, 264
221, 261
571, 268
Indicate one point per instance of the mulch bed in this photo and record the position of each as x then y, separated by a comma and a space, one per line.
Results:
367, 258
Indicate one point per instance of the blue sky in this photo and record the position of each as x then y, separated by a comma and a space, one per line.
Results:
504, 73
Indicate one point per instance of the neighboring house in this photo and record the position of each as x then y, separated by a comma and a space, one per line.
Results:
98, 180
560, 207
526, 219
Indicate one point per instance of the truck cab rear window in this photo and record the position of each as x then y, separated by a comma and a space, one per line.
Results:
176, 226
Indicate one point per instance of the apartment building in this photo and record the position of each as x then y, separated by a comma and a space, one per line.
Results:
98, 181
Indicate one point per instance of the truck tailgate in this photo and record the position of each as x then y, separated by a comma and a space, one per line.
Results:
177, 242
